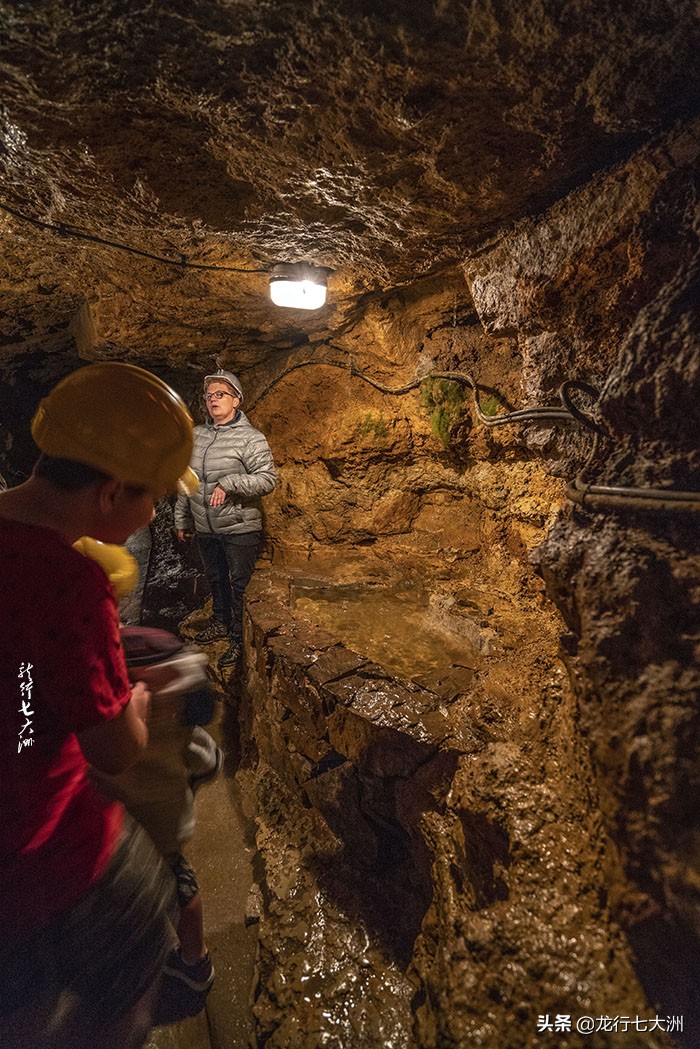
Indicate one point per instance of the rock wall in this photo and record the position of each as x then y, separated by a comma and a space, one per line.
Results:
156, 160
626, 581
434, 870
550, 833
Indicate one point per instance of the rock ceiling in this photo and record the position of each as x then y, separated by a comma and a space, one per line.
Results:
383, 141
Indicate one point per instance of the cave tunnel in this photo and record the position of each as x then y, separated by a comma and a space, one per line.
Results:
460, 801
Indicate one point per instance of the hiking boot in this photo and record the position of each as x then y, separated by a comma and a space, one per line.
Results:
198, 977
215, 631
232, 654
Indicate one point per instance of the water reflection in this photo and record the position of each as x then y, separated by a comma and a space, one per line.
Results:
393, 628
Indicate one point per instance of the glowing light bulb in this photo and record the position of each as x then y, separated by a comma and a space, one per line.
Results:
298, 286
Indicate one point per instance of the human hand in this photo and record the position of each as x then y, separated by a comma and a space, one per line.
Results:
217, 496
183, 535
141, 700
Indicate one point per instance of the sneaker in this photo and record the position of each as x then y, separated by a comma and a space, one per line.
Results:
199, 977
232, 654
205, 777
215, 631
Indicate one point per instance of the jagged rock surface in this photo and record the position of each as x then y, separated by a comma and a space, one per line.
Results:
505, 191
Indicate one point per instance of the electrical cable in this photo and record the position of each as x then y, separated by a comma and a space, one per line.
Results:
604, 497
588, 495
536, 413
611, 497
70, 231
346, 366
578, 491
565, 397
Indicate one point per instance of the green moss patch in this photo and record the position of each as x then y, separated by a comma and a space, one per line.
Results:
443, 400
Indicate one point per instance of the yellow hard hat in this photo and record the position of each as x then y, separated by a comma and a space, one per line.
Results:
122, 420
119, 566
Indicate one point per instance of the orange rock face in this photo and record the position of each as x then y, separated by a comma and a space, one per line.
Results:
507, 192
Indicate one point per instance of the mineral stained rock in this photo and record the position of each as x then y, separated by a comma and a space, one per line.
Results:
504, 191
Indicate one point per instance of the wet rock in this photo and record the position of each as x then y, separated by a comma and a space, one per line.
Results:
322, 978
516, 820
422, 844
254, 906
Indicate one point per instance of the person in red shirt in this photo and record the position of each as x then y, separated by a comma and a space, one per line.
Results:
85, 903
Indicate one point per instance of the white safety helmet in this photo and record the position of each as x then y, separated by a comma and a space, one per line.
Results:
227, 377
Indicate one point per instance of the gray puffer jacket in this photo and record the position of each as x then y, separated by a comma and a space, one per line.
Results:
236, 456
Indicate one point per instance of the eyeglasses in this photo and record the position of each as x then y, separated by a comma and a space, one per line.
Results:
217, 395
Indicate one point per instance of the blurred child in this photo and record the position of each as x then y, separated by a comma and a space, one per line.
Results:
85, 899
158, 789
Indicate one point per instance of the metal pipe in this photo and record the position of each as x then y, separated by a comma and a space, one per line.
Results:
597, 496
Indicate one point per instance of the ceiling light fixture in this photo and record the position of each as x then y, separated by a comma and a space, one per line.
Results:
298, 285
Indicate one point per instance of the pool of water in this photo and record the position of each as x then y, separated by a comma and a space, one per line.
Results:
393, 628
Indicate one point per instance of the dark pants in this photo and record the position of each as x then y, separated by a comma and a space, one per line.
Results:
228, 565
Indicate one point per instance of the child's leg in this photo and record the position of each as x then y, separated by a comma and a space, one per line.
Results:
190, 962
190, 925
190, 931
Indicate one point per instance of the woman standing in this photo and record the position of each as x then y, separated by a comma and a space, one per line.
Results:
234, 463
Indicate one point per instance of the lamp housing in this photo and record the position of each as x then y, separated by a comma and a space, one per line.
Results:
298, 285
